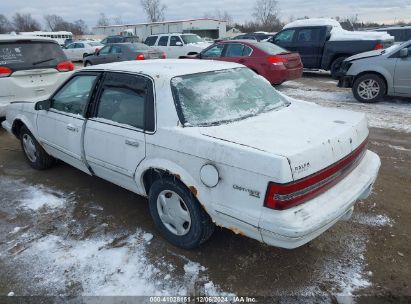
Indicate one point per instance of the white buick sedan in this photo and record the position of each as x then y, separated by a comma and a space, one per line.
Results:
209, 143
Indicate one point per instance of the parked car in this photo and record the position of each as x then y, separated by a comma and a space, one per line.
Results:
266, 59
208, 143
78, 50
30, 67
120, 39
323, 44
122, 52
372, 75
400, 33
258, 36
177, 45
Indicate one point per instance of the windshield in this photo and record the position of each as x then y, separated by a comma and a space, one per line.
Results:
92, 43
271, 48
216, 97
26, 55
191, 39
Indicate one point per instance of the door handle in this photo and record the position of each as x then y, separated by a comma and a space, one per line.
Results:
72, 128
132, 143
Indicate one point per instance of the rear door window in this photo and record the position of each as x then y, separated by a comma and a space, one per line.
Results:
30, 55
234, 50
115, 49
308, 35
163, 41
151, 40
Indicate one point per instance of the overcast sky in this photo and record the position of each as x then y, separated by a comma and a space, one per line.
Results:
130, 10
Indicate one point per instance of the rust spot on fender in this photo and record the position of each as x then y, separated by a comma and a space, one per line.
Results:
193, 190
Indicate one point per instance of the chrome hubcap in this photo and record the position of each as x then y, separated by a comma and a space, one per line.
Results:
173, 212
29, 148
368, 89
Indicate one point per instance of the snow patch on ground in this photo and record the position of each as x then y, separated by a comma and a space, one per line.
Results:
395, 114
57, 263
374, 220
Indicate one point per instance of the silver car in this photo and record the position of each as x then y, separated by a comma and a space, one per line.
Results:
372, 75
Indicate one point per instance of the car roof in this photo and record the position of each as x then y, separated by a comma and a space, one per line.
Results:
14, 38
245, 41
169, 34
167, 68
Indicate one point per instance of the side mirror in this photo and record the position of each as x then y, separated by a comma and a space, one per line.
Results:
43, 105
404, 53
178, 43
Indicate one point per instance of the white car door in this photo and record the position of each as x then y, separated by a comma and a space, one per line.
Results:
79, 50
60, 128
402, 78
176, 47
70, 51
114, 140
162, 45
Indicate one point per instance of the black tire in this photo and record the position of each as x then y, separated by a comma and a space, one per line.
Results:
85, 55
379, 82
87, 63
335, 67
40, 160
201, 227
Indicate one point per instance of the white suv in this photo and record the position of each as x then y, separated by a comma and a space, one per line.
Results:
30, 68
177, 45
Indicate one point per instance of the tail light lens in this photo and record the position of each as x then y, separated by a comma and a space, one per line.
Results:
378, 46
140, 57
65, 66
276, 60
5, 72
284, 196
97, 49
164, 56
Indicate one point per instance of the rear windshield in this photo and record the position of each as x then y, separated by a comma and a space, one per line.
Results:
270, 48
216, 97
30, 55
139, 47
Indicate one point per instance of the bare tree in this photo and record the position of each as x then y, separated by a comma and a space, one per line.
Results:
5, 25
118, 20
54, 22
153, 9
220, 15
103, 20
266, 13
25, 23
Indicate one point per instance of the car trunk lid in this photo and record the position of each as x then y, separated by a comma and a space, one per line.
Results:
310, 137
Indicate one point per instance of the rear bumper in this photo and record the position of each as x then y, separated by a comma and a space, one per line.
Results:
3, 107
277, 75
294, 227
345, 81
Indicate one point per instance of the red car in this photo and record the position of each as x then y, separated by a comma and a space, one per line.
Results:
266, 59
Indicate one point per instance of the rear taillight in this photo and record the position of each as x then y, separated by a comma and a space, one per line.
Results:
65, 66
5, 72
284, 196
97, 49
378, 46
164, 56
276, 60
140, 57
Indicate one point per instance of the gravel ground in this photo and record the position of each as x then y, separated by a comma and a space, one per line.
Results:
63, 232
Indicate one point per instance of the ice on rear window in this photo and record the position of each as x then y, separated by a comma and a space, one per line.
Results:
218, 97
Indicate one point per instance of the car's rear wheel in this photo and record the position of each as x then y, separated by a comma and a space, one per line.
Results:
369, 88
335, 67
36, 156
178, 215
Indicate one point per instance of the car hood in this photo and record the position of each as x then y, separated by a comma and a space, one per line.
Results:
309, 136
365, 55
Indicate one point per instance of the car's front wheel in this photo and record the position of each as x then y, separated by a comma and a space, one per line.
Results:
369, 88
36, 156
178, 215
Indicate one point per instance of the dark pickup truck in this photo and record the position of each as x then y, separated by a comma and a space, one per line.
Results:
323, 44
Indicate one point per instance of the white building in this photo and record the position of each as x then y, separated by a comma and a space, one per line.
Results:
203, 27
